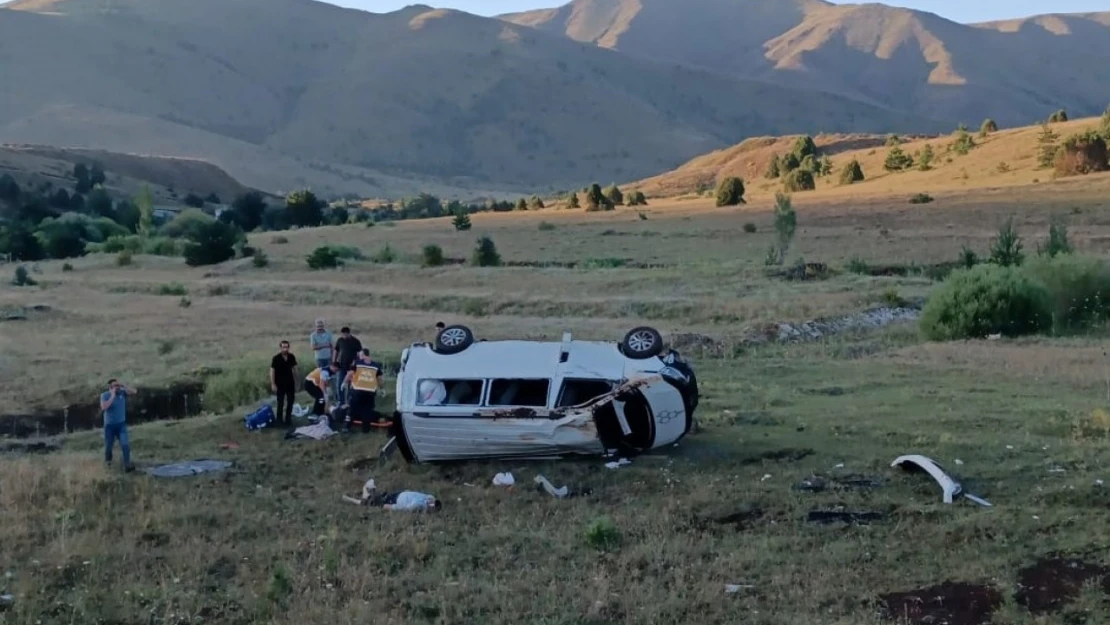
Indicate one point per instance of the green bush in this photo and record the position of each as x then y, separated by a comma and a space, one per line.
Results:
211, 243
749, 227
124, 258
859, 266
984, 300
348, 252
485, 253
323, 257
385, 256
730, 191
260, 259
921, 198
603, 535
171, 288
432, 256
22, 277
1079, 288
545, 226
799, 180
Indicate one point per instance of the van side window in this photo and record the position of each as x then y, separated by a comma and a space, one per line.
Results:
519, 393
449, 392
576, 392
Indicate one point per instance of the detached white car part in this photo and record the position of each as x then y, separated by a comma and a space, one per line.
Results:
949, 486
461, 399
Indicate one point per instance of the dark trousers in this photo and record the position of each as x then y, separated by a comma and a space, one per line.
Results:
285, 395
318, 395
362, 407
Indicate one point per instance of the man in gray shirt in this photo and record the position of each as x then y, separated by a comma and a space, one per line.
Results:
322, 345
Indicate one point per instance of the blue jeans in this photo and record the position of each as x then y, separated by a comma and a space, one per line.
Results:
333, 388
112, 431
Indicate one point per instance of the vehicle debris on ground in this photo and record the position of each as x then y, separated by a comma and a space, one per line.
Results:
950, 488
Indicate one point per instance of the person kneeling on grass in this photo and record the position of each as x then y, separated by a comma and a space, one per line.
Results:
114, 404
364, 380
316, 384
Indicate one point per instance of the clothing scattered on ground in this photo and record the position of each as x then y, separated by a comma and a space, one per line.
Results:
404, 500
183, 469
318, 431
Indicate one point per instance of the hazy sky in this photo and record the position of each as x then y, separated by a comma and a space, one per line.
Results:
959, 10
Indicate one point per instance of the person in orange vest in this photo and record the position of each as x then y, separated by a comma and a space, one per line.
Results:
363, 381
317, 384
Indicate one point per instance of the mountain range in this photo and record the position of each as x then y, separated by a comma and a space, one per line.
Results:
290, 93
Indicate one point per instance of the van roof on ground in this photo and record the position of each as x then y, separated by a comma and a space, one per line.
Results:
520, 360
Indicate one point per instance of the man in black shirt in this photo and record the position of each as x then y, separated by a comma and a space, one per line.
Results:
347, 347
283, 382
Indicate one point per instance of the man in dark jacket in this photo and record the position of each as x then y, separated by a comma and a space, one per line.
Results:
283, 382
347, 347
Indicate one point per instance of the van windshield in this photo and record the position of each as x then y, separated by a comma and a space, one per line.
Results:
532, 393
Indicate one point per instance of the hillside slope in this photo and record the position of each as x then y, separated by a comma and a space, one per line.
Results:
1006, 158
1015, 71
167, 178
416, 94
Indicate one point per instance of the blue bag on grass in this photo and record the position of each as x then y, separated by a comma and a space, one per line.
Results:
260, 418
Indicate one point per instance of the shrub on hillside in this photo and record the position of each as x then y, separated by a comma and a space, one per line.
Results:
573, 201
988, 126
897, 160
1058, 117
1078, 287
323, 257
921, 198
485, 253
461, 222
799, 180
730, 191
432, 256
851, 173
187, 224
22, 277
1081, 154
637, 198
213, 243
985, 300
1006, 247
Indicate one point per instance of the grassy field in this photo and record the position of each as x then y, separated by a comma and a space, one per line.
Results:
271, 541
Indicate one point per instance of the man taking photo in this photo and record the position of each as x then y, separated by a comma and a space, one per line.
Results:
114, 404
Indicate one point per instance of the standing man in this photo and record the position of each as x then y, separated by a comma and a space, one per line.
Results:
364, 380
347, 348
283, 382
322, 345
114, 404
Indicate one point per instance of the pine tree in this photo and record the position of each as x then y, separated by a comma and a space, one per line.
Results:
573, 201
774, 169
1046, 156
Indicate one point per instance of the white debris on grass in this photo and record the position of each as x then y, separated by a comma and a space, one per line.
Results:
503, 479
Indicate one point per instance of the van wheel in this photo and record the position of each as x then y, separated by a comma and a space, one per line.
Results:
642, 342
453, 339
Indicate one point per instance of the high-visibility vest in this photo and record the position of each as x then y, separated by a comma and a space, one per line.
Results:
317, 377
365, 377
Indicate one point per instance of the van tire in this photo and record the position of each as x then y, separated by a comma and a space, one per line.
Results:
453, 339
642, 342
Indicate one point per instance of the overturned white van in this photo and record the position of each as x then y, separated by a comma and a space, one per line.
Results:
460, 399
